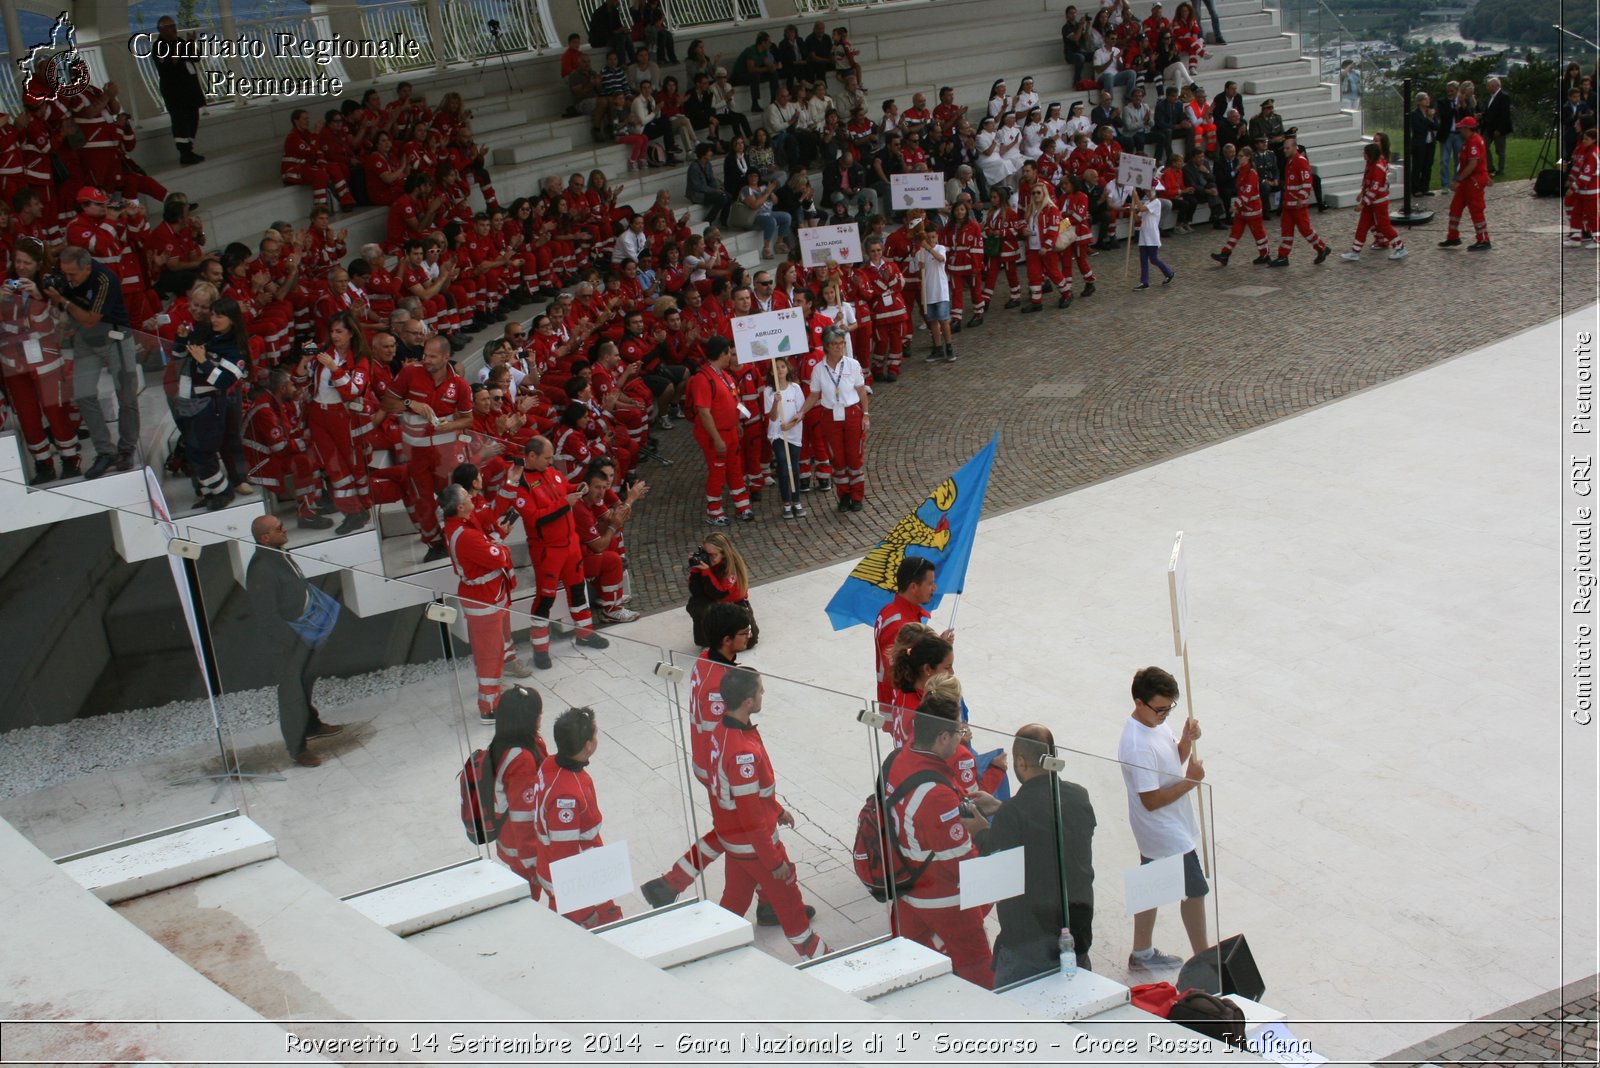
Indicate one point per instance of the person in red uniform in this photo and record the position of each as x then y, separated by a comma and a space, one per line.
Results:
1374, 201
1246, 212
333, 387
932, 827
37, 374
963, 236
1583, 187
1472, 178
303, 163
1297, 204
516, 754
1002, 228
728, 628
880, 286
712, 398
437, 407
746, 816
544, 498
915, 581
1075, 212
599, 532
839, 386
566, 812
486, 577
275, 454
1044, 262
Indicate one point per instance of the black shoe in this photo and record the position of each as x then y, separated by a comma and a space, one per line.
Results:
70, 468
592, 641
824, 483
189, 159
1221, 41
353, 522
1168, 279
1064, 301
1324, 254
767, 916
124, 460
1032, 308
858, 506
977, 321
313, 522
542, 661
1048, 286
1450, 242
949, 354
457, 342
844, 504
101, 465
220, 501
1088, 290
1264, 260
805, 484
1479, 246
955, 327
657, 893
1281, 261
1140, 286
1220, 257
44, 471
434, 553
1013, 303
935, 355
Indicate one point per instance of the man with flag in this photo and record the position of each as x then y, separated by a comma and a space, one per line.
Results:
914, 579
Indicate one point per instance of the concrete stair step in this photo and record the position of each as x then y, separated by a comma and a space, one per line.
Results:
667, 938
237, 928
87, 955
151, 863
440, 897
527, 151
1256, 31
751, 980
979, 32
1248, 20
1241, 45
1271, 85
1266, 61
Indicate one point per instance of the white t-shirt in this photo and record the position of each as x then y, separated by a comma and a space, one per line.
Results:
1150, 221
935, 283
844, 315
1149, 757
837, 388
789, 402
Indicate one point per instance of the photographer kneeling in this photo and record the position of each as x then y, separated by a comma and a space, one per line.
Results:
209, 363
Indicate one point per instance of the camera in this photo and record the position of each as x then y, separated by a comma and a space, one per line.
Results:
53, 280
116, 203
699, 557
309, 348
494, 27
15, 284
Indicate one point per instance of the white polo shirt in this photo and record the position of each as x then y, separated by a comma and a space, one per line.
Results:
838, 388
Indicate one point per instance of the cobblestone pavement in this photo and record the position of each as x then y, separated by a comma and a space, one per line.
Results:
1556, 1028
1126, 379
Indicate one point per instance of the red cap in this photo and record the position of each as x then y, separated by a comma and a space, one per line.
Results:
91, 195
1468, 123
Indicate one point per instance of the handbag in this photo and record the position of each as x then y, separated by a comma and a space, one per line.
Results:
188, 407
316, 622
1065, 236
991, 244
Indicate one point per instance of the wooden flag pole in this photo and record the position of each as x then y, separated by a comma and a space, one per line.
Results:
1178, 595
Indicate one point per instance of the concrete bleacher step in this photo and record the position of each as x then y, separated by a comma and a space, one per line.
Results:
525, 151
750, 980
88, 961
157, 861
1242, 49
439, 897
249, 927
1272, 85
1265, 59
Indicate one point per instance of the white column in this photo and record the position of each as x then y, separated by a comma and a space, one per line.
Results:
15, 45
443, 49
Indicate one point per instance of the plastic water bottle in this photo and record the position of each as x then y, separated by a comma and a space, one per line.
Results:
1069, 955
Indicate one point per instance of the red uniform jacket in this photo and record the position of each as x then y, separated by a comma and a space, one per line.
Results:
566, 813
744, 789
705, 709
891, 617
515, 792
928, 827
482, 565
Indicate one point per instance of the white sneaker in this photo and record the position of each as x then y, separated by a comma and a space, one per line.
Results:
1400, 253
516, 669
1350, 257
1591, 245
619, 615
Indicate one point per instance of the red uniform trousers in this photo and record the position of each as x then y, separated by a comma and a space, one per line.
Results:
1468, 198
319, 178
1583, 216
814, 462
301, 469
44, 403
752, 441
1078, 251
1375, 217
961, 932
489, 632
606, 569
992, 277
340, 460
102, 167
1258, 230
1297, 218
746, 872
554, 568
847, 444
960, 282
426, 474
888, 344
1042, 264
725, 468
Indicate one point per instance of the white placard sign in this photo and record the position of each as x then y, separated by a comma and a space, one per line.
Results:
1136, 170
924, 190
1149, 886
992, 878
819, 244
769, 335
1178, 593
592, 877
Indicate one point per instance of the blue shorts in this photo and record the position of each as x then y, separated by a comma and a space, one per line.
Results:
937, 312
1194, 880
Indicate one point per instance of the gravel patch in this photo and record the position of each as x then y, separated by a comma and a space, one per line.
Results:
36, 758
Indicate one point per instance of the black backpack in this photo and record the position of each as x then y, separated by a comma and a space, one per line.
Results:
879, 862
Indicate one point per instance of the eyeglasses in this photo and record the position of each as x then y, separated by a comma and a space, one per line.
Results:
518, 337
1162, 711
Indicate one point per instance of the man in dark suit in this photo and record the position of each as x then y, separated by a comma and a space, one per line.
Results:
179, 80
1226, 173
1031, 922
1422, 133
279, 596
1494, 123
1444, 116
1103, 114
1229, 98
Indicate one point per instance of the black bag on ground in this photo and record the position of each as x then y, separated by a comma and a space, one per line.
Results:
1548, 183
1212, 1016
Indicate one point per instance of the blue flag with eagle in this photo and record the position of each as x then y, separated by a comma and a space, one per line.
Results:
941, 528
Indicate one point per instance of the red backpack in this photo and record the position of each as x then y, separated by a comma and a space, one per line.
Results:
879, 862
478, 816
